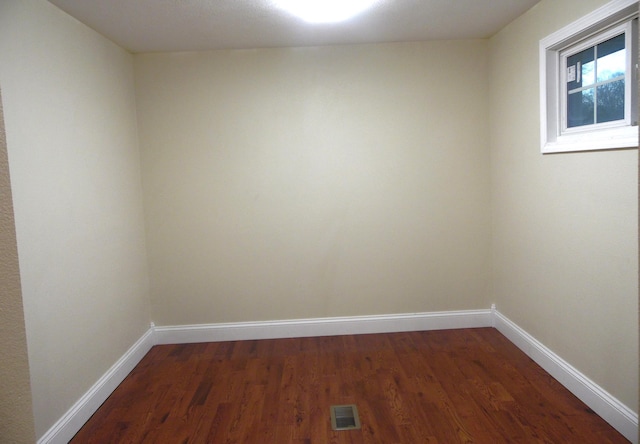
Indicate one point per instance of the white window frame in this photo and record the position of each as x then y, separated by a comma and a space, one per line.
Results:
625, 28
553, 139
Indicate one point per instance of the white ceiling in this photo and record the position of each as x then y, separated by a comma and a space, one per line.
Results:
187, 25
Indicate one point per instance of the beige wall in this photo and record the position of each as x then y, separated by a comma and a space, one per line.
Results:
565, 251
16, 414
315, 182
70, 119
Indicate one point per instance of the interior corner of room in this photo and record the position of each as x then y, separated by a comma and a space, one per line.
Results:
184, 196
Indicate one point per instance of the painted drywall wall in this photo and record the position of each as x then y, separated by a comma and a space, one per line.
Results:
565, 249
315, 182
16, 410
70, 119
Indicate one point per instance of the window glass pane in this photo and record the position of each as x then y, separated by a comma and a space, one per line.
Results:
588, 73
610, 101
580, 108
611, 58
583, 65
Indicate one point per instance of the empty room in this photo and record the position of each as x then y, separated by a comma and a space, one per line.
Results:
229, 221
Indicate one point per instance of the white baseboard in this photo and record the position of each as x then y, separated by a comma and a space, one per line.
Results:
599, 400
299, 328
604, 404
67, 426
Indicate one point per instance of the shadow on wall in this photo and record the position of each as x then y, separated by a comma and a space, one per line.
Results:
16, 417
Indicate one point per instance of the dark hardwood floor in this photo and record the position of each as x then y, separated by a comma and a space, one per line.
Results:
449, 386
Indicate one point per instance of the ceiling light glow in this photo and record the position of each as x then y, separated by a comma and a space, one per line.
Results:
324, 11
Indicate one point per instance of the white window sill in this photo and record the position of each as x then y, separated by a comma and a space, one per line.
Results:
605, 139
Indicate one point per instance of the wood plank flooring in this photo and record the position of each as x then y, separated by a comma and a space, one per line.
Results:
448, 386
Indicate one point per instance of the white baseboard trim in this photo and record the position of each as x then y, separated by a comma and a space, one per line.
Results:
604, 404
599, 400
67, 426
299, 328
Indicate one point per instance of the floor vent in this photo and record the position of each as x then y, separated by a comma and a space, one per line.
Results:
344, 417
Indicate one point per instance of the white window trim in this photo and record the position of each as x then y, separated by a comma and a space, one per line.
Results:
551, 141
625, 28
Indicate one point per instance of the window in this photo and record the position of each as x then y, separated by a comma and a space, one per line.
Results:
594, 83
588, 82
